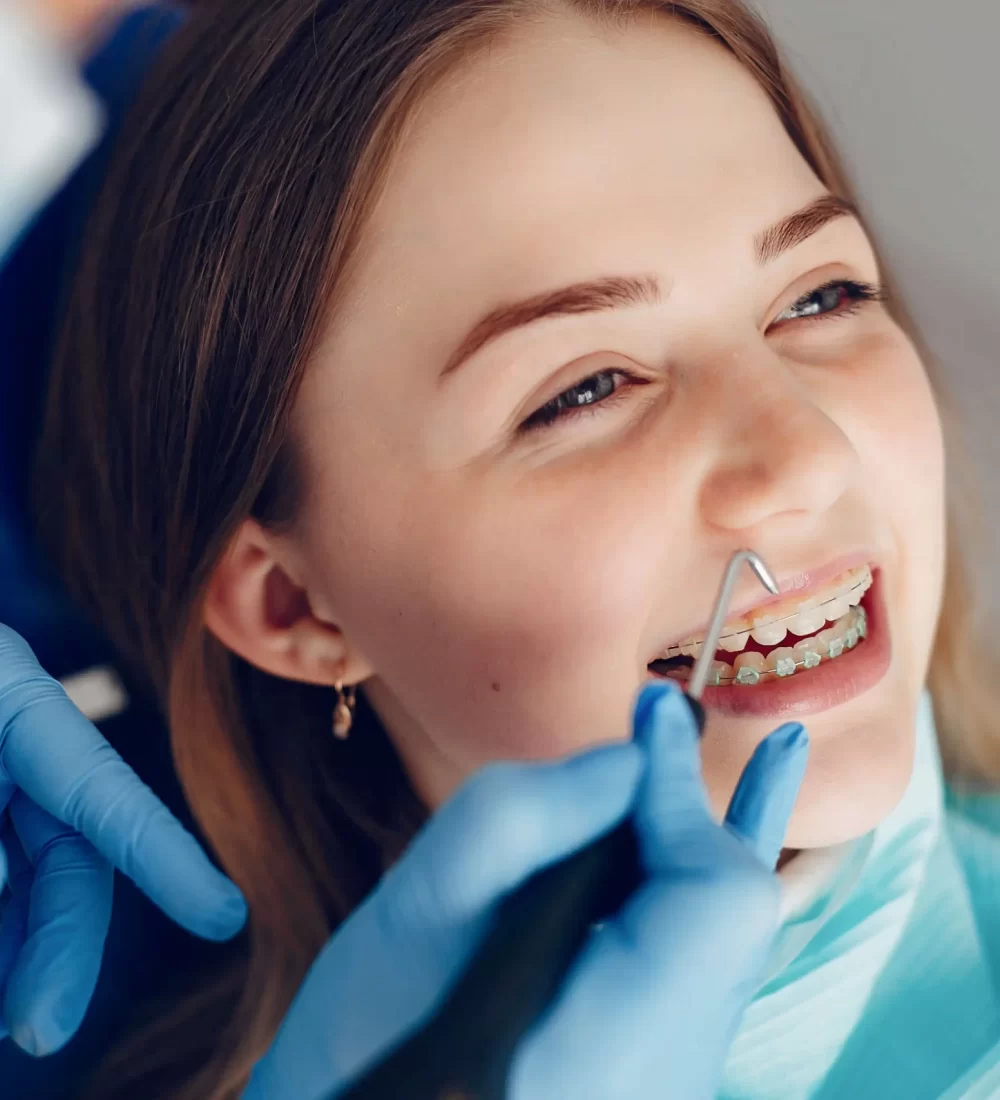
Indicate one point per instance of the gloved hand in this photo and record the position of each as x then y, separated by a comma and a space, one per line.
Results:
651, 1005
74, 809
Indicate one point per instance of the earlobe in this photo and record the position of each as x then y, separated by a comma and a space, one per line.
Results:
256, 610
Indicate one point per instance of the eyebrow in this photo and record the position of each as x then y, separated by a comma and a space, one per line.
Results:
617, 292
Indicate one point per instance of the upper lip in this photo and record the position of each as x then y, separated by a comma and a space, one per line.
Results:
803, 582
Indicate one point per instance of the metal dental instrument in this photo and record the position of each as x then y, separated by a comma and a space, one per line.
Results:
465, 1051
696, 685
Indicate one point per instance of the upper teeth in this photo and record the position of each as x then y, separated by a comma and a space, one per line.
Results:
795, 616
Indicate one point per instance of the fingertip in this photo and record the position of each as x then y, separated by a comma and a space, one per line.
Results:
789, 738
223, 920
46, 1024
39, 1039
174, 872
649, 695
660, 702
23, 1036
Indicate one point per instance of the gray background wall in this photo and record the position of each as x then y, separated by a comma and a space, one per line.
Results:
911, 90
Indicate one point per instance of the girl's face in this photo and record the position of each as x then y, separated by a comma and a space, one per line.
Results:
501, 567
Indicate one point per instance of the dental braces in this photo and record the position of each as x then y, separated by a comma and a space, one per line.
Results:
748, 676
859, 588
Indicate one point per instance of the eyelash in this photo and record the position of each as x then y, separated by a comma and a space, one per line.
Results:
551, 413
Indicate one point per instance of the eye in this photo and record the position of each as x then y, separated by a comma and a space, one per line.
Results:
600, 389
838, 298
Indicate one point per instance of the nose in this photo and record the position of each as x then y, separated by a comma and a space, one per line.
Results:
782, 453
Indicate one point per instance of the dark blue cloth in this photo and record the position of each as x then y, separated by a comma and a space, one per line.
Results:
32, 286
144, 949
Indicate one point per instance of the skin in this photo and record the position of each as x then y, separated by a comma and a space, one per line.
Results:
76, 21
498, 596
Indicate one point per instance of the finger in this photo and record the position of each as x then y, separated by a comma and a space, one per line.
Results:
6, 786
509, 821
689, 948
689, 967
13, 930
68, 918
14, 914
672, 814
767, 791
63, 764
393, 959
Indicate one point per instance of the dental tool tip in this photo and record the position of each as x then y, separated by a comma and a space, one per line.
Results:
699, 674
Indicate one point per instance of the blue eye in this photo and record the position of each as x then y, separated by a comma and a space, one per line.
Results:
837, 298
597, 389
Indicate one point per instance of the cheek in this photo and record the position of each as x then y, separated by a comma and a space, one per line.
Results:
507, 621
885, 405
898, 433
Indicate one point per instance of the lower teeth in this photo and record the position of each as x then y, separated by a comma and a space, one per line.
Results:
757, 668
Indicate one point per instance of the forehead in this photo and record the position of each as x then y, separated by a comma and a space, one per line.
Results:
571, 125
571, 150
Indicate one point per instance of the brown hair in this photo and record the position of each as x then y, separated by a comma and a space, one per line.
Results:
220, 244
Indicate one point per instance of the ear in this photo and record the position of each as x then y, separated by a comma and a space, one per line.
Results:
259, 611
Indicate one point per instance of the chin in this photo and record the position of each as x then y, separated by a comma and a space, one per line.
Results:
856, 776
861, 757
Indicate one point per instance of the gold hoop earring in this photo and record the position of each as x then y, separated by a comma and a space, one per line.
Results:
343, 712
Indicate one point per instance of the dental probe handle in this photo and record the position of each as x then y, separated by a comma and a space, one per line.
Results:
465, 1050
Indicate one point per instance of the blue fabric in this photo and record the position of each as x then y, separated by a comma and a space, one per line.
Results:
892, 990
31, 290
144, 954
144, 949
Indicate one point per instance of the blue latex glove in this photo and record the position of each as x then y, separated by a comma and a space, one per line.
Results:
74, 810
651, 1006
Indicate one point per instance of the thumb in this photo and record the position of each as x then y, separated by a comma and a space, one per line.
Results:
673, 817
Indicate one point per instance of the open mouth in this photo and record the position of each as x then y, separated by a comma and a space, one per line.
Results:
797, 655
792, 636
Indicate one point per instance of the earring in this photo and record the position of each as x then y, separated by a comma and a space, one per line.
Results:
343, 712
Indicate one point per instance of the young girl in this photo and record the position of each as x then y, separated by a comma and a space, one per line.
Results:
435, 357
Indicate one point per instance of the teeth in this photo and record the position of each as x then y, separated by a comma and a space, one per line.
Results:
807, 652
798, 617
753, 668
769, 633
830, 642
721, 671
807, 621
781, 661
733, 643
848, 631
836, 609
750, 667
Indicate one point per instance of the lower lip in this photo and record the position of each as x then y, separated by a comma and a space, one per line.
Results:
817, 689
